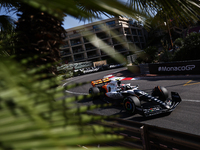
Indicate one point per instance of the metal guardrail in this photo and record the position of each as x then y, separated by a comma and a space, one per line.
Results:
148, 137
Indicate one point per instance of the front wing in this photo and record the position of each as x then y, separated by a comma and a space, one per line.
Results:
158, 109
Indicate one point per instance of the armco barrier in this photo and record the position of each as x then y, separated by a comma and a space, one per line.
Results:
148, 137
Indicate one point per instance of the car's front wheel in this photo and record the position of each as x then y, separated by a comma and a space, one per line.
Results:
130, 103
160, 92
94, 91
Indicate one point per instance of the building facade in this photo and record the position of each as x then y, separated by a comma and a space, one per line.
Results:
120, 34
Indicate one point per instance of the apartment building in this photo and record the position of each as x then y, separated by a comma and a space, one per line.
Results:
120, 34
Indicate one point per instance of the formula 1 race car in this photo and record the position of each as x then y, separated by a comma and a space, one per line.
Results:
135, 100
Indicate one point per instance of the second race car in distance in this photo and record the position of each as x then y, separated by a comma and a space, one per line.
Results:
135, 100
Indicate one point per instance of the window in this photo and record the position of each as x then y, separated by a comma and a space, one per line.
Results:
139, 32
134, 32
136, 39
126, 30
97, 27
111, 23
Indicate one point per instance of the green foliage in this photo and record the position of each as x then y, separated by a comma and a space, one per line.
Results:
149, 55
85, 9
190, 49
7, 43
165, 55
6, 35
35, 114
178, 42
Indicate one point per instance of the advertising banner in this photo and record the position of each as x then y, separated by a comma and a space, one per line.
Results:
75, 65
189, 67
100, 63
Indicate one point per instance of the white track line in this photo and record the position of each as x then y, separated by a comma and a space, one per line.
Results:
190, 100
76, 93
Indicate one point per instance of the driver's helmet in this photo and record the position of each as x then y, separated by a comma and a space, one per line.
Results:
118, 82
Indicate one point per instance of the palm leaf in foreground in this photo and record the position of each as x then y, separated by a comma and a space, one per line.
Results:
30, 117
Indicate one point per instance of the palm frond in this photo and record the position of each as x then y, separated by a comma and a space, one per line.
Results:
183, 12
31, 118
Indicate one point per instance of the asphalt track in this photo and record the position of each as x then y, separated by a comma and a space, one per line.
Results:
185, 118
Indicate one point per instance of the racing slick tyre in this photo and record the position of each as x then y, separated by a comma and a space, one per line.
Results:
94, 91
130, 103
160, 92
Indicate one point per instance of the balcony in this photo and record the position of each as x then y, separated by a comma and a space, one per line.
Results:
136, 39
140, 32
129, 38
97, 27
92, 54
87, 32
85, 40
116, 32
89, 47
107, 41
134, 32
94, 59
138, 45
65, 52
126, 31
141, 39
77, 49
114, 41
102, 35
120, 48
67, 59
75, 42
75, 35
114, 25
79, 57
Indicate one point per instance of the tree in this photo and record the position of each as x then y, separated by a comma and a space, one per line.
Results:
190, 48
149, 55
39, 34
7, 29
6, 35
178, 42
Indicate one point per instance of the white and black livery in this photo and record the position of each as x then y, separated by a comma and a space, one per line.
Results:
135, 100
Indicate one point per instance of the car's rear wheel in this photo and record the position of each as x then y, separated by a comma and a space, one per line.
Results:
130, 103
160, 92
94, 91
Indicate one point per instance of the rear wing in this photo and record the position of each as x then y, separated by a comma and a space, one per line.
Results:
100, 81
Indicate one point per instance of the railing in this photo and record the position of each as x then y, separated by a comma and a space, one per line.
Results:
147, 137
65, 53
90, 48
76, 43
78, 51
75, 35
